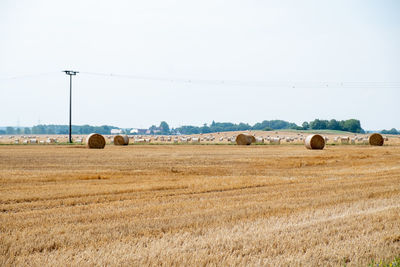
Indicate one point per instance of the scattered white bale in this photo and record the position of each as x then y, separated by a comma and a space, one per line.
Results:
147, 140
221, 139
259, 140
287, 139
33, 141
140, 140
25, 142
169, 138
16, 141
41, 142
344, 139
78, 141
184, 140
314, 141
162, 138
195, 140
366, 141
275, 140
336, 139
353, 141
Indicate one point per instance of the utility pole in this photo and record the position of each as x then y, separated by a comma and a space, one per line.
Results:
70, 73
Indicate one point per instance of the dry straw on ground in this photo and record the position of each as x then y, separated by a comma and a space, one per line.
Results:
95, 140
376, 140
314, 141
245, 139
121, 140
168, 205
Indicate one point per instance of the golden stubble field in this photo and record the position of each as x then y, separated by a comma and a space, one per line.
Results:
197, 205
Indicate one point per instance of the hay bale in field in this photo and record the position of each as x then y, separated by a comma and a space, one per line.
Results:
245, 139
344, 139
275, 140
33, 141
195, 140
121, 140
259, 140
314, 141
95, 140
376, 140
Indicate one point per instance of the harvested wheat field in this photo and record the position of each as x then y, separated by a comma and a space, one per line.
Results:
197, 205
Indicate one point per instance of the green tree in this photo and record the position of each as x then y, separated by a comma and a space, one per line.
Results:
353, 126
10, 130
333, 125
305, 125
39, 129
318, 124
164, 128
27, 130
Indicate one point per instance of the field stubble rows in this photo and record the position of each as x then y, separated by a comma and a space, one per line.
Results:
229, 205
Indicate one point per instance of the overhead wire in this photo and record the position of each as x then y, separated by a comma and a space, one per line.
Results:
274, 84
264, 84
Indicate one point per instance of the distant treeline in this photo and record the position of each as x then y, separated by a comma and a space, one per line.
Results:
58, 129
392, 131
351, 125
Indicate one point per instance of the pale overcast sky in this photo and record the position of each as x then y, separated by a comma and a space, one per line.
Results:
290, 60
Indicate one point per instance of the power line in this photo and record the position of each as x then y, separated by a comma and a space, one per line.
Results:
272, 84
261, 84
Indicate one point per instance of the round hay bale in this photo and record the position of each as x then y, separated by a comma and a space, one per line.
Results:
314, 141
376, 140
95, 140
245, 139
121, 140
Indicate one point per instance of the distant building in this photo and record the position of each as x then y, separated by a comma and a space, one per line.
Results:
116, 131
